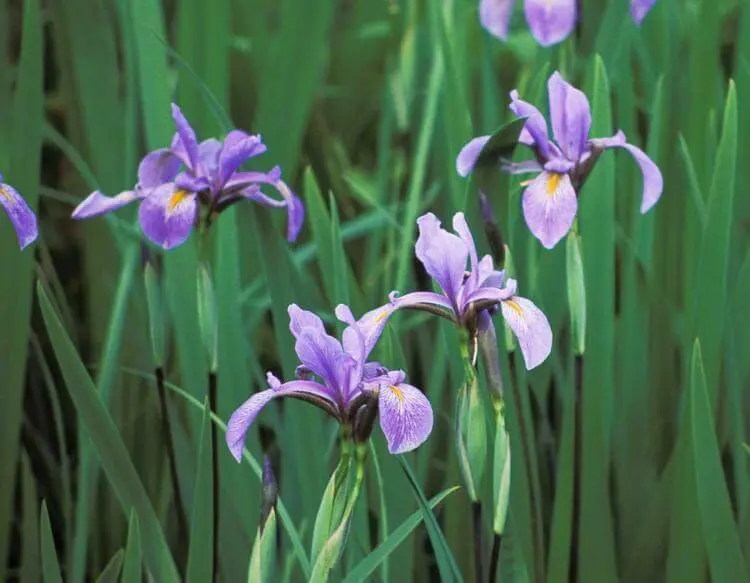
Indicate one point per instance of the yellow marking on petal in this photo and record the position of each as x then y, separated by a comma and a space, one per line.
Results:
382, 316
513, 305
553, 183
175, 200
6, 195
398, 392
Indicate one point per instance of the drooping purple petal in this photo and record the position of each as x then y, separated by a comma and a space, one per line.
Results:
238, 147
550, 21
158, 167
241, 420
443, 255
405, 417
653, 182
20, 214
549, 207
167, 215
188, 140
534, 132
246, 182
531, 328
640, 8
495, 16
468, 155
96, 203
570, 116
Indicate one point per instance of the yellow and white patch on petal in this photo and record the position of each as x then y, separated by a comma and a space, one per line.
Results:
177, 198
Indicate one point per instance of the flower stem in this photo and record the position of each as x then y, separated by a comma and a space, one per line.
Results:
476, 517
166, 429
576, 526
212, 398
497, 539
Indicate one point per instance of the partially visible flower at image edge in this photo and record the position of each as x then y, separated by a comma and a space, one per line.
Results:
20, 214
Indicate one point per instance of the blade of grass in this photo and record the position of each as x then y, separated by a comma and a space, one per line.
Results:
111, 573
50, 566
111, 450
131, 567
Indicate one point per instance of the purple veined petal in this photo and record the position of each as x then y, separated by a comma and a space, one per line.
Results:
495, 16
469, 154
295, 211
653, 182
488, 275
188, 139
167, 215
20, 214
372, 370
372, 324
238, 147
549, 207
405, 417
442, 254
462, 228
534, 132
300, 319
531, 328
570, 116
158, 167
96, 203
488, 296
640, 8
550, 21
418, 300
241, 420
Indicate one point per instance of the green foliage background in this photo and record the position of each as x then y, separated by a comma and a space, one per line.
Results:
365, 106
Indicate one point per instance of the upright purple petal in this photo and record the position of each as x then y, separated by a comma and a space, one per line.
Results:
238, 147
443, 255
167, 215
534, 132
241, 420
531, 328
549, 207
462, 228
653, 182
96, 203
188, 139
639, 9
405, 417
353, 338
300, 319
208, 155
469, 154
570, 116
550, 21
158, 167
324, 356
20, 214
495, 16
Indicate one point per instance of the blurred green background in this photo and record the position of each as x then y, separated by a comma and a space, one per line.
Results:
365, 106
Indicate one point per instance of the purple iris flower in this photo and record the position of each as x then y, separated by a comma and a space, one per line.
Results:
466, 294
336, 377
550, 21
550, 200
20, 214
175, 182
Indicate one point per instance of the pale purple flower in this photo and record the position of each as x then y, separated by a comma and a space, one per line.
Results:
550, 21
176, 183
550, 200
465, 294
336, 377
20, 214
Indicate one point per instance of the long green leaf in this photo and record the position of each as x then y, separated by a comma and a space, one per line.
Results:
131, 567
50, 565
110, 449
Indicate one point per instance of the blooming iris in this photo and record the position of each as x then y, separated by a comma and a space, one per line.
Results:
550, 200
174, 182
336, 377
20, 214
550, 21
467, 295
